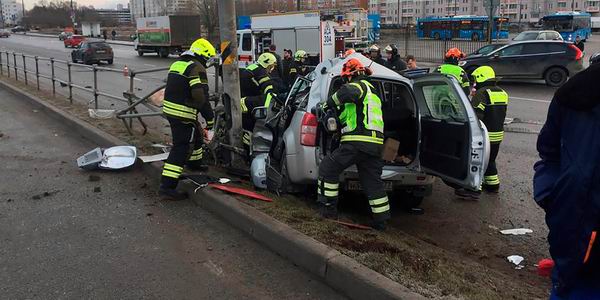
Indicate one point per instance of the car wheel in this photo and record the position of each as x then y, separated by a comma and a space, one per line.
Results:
555, 77
140, 53
163, 52
73, 59
287, 185
66, 46
407, 200
475, 37
110, 61
436, 35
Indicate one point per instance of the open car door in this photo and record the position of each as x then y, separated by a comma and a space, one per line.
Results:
454, 144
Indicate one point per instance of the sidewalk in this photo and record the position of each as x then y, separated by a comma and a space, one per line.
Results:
72, 234
123, 43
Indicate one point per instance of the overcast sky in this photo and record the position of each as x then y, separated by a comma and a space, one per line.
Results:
96, 3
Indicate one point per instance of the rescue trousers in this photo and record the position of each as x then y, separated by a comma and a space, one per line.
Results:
366, 157
187, 150
491, 179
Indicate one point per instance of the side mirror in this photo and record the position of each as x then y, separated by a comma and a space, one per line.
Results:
259, 113
496, 55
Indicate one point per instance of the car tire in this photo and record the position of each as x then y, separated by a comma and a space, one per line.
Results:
163, 52
475, 37
287, 185
73, 59
436, 35
406, 200
110, 61
140, 53
555, 76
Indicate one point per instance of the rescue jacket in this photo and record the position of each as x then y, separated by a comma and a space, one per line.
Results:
186, 92
491, 104
396, 64
360, 112
255, 81
458, 73
297, 68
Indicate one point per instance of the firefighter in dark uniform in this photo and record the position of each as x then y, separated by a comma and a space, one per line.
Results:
186, 94
375, 55
298, 67
394, 62
490, 103
361, 144
451, 67
257, 90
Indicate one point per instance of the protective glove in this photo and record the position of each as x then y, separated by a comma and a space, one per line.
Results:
208, 136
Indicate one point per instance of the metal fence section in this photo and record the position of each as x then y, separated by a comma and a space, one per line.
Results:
23, 67
425, 49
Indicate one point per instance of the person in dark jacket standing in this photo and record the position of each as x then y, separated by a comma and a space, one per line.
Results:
566, 185
375, 55
394, 61
579, 44
361, 144
298, 67
286, 64
186, 94
490, 103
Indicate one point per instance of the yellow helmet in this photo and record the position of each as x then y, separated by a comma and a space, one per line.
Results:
203, 48
267, 59
483, 73
300, 54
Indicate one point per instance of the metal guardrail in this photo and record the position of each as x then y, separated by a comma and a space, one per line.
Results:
30, 67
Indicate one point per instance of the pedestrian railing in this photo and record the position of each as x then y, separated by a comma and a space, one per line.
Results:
26, 68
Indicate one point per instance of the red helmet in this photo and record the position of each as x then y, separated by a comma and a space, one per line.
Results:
454, 53
349, 52
351, 67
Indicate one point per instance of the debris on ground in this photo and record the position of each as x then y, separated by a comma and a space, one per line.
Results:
545, 267
114, 158
97, 189
516, 260
93, 178
241, 191
43, 195
149, 214
153, 158
352, 225
516, 231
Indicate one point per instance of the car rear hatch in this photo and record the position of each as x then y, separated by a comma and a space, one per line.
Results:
101, 50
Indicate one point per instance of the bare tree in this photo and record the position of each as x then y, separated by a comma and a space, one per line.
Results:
207, 9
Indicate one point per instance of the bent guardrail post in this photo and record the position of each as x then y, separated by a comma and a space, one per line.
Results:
52, 77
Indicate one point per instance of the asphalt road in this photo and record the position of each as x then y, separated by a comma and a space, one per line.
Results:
65, 235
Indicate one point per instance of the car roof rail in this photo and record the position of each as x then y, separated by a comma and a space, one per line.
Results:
416, 73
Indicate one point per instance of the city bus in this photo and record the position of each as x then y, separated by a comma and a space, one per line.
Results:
461, 27
569, 24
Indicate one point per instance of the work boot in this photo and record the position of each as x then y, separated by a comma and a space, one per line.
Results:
378, 225
492, 189
467, 194
328, 211
171, 194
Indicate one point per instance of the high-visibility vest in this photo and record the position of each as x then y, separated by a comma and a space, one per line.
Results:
178, 91
372, 117
455, 71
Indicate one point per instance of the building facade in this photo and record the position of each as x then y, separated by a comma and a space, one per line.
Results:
12, 12
155, 8
121, 16
404, 12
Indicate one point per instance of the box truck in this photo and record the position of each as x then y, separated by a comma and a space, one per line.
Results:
166, 35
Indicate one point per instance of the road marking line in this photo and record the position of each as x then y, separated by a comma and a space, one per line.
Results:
149, 65
532, 100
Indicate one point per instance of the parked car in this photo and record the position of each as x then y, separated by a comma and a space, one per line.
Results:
553, 61
64, 35
595, 58
430, 116
4, 33
19, 29
73, 41
486, 49
89, 52
547, 35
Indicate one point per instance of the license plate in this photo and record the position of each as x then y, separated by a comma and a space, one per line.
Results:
100, 51
353, 185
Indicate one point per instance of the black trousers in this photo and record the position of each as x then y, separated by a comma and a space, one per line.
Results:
366, 157
491, 178
187, 150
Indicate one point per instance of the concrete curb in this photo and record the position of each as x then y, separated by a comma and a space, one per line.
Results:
336, 269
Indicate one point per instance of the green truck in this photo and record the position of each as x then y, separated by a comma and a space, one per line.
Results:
166, 35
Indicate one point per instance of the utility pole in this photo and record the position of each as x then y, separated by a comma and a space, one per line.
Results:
1, 14
298, 6
143, 7
231, 76
23, 13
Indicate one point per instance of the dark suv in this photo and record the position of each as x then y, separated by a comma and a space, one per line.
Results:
89, 52
553, 61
